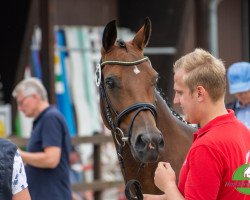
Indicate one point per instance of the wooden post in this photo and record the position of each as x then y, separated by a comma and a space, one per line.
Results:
25, 52
202, 23
46, 19
97, 168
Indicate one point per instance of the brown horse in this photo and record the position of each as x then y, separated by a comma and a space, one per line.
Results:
143, 126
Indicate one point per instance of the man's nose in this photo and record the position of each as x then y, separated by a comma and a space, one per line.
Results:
176, 100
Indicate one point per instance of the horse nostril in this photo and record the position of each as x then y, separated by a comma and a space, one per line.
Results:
140, 144
145, 141
161, 143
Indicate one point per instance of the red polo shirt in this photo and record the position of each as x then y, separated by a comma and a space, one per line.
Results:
219, 148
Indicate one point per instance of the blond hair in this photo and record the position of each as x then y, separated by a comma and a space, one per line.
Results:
203, 69
30, 86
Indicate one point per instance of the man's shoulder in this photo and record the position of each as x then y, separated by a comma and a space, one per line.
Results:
51, 109
5, 142
53, 117
7, 148
226, 134
52, 112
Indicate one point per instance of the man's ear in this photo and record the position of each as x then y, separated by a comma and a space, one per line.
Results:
200, 92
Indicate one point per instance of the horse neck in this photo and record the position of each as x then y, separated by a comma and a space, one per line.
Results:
178, 135
169, 124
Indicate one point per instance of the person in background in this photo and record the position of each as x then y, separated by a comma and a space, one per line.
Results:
221, 144
13, 182
48, 149
238, 76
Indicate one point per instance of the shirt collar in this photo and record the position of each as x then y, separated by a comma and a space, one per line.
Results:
223, 119
41, 114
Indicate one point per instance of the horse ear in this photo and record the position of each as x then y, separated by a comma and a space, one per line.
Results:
142, 37
109, 35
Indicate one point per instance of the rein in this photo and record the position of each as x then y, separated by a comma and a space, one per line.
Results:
113, 122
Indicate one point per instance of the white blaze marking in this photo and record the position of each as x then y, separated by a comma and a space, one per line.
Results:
136, 70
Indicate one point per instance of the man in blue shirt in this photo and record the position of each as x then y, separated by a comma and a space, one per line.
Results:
239, 85
47, 156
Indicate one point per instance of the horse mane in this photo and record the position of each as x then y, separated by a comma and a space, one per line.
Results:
167, 101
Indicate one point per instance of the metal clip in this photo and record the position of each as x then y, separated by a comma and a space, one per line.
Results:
125, 139
98, 75
120, 133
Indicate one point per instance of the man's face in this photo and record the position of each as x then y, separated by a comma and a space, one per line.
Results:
243, 97
26, 104
184, 98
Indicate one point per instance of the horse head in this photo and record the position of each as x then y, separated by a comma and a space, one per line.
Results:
127, 88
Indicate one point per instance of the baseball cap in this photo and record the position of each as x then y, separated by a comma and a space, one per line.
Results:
239, 77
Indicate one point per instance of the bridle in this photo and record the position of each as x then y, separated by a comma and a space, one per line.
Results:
107, 108
113, 119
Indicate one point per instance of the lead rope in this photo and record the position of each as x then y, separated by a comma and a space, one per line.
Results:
136, 186
133, 183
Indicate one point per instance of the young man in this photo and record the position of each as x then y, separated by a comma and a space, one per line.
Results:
47, 156
239, 85
13, 182
220, 145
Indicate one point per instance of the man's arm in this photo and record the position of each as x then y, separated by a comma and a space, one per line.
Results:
22, 195
19, 181
154, 197
49, 158
165, 180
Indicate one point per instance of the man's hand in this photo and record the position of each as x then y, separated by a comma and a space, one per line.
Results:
164, 176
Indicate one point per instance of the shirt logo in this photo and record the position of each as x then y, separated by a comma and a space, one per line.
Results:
241, 178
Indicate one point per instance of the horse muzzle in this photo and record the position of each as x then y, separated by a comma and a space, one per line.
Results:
148, 146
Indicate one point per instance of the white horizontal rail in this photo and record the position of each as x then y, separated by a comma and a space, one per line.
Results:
147, 50
160, 50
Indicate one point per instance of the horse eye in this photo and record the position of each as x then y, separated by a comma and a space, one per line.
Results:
110, 83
